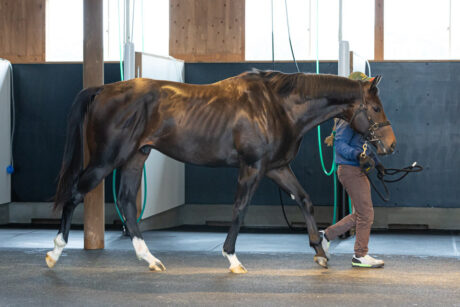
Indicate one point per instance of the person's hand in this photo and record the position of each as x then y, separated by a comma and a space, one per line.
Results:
366, 163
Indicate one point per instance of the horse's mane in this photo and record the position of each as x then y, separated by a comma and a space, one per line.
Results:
309, 85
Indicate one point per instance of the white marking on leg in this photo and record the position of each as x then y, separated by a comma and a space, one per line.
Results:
143, 253
234, 262
59, 245
292, 196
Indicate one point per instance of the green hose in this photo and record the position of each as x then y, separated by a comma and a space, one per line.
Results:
114, 176
333, 169
350, 207
114, 192
333, 166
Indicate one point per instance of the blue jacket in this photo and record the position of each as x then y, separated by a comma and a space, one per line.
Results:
348, 144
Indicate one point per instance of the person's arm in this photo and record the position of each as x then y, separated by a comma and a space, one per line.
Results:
342, 139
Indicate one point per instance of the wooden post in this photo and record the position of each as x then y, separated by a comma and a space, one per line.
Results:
351, 62
93, 75
379, 31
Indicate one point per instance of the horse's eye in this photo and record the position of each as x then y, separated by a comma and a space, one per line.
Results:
376, 109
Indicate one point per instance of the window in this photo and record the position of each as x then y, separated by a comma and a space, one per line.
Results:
422, 29
357, 25
64, 28
150, 29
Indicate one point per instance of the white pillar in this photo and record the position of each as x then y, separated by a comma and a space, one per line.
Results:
129, 54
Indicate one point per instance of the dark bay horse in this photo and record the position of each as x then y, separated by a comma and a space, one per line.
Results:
254, 121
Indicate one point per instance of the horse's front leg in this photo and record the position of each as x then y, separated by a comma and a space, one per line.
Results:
248, 180
286, 179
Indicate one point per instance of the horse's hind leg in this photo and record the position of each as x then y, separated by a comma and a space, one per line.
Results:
131, 176
87, 181
248, 180
286, 179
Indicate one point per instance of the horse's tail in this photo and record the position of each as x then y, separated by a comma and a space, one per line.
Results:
72, 161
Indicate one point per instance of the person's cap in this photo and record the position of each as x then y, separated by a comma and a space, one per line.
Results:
357, 75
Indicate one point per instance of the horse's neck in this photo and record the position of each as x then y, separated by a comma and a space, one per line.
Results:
324, 102
333, 88
318, 112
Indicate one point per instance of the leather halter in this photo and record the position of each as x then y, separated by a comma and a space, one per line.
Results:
369, 135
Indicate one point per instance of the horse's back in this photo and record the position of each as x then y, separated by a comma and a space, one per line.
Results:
214, 124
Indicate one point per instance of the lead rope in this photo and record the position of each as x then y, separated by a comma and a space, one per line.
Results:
414, 168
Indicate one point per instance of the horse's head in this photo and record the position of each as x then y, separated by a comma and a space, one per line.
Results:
368, 118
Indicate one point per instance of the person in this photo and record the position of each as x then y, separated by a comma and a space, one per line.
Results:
352, 165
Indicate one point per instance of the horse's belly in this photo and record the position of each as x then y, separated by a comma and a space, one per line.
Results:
198, 151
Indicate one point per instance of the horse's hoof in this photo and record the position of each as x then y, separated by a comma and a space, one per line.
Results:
322, 261
50, 261
157, 267
238, 269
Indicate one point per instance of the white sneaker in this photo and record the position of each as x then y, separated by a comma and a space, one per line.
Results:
366, 262
325, 243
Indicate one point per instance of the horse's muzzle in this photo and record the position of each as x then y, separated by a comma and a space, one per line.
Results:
382, 149
386, 141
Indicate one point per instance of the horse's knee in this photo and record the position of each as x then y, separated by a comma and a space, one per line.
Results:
76, 198
308, 205
239, 212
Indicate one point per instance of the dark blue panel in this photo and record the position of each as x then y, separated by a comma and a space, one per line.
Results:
422, 100
43, 95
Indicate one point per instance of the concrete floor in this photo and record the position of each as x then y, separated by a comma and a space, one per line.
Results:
420, 270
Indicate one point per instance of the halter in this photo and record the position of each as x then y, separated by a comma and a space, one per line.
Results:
373, 126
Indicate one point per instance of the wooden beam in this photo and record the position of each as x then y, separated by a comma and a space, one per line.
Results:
22, 30
93, 75
379, 30
207, 30
351, 61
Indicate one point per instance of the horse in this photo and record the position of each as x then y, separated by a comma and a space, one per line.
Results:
254, 121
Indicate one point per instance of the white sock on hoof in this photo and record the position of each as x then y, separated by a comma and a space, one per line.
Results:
59, 245
142, 251
234, 262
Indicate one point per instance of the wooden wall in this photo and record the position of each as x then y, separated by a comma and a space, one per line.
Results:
22, 30
200, 30
207, 30
379, 30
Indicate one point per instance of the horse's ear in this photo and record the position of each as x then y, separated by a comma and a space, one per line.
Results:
375, 81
